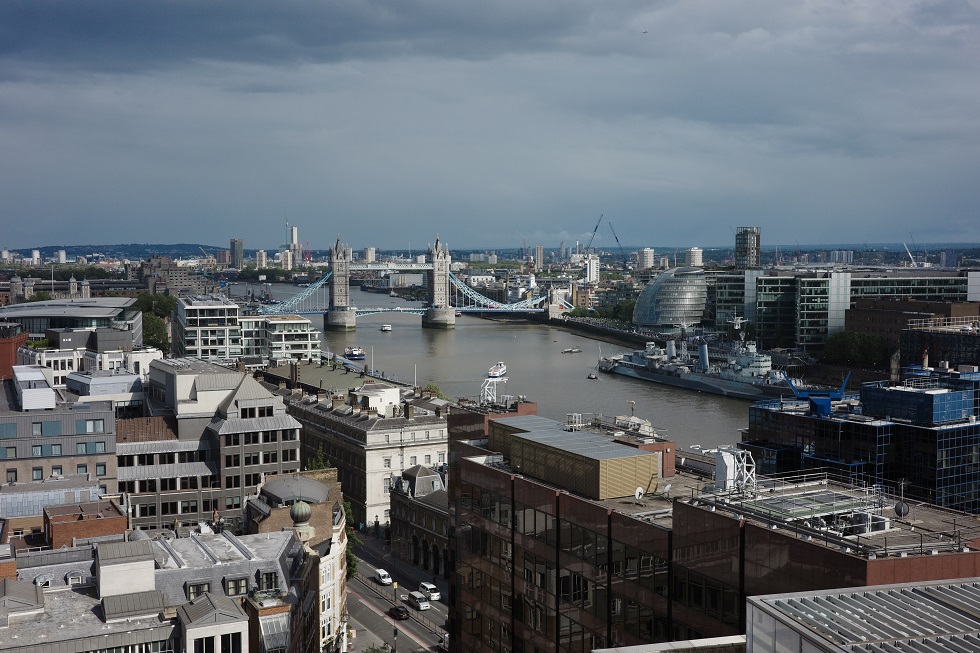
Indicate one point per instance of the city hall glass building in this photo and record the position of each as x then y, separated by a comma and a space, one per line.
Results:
677, 296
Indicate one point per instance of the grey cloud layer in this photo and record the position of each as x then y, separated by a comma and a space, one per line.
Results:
489, 121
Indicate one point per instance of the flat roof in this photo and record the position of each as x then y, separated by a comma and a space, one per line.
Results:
92, 307
906, 618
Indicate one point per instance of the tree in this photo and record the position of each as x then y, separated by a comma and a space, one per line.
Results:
41, 296
353, 539
155, 332
316, 461
856, 348
162, 306
435, 391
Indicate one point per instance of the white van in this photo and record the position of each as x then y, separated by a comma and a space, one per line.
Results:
430, 591
382, 577
418, 600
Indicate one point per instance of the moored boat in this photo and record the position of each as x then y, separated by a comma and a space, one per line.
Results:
497, 371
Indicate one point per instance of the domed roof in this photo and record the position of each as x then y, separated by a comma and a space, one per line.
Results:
676, 296
300, 512
288, 488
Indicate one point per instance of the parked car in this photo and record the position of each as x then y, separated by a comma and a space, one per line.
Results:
430, 590
399, 612
382, 577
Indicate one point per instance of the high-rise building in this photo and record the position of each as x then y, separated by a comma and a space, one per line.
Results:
62, 257
261, 259
747, 243
592, 269
562, 254
695, 257
369, 254
646, 258
538, 258
206, 327
237, 251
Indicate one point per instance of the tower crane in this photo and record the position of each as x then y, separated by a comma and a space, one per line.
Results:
593, 233
621, 250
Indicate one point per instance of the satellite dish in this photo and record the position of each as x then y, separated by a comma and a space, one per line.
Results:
901, 508
639, 493
667, 490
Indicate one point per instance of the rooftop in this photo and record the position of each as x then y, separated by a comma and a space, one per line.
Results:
94, 307
906, 618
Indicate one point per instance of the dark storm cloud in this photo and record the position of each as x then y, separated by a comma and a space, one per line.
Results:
490, 122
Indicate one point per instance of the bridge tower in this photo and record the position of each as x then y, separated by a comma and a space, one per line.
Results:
341, 315
441, 314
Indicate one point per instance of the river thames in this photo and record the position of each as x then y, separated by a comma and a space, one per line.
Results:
457, 361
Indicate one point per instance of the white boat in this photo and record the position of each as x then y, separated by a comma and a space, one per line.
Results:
386, 327
497, 371
354, 353
571, 350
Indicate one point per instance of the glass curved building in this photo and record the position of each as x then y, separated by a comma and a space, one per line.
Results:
677, 296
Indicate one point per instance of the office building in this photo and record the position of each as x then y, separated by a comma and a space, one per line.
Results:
919, 437
80, 313
948, 342
214, 432
538, 258
676, 297
419, 523
12, 338
646, 259
73, 350
237, 252
206, 326
568, 540
371, 437
748, 247
43, 436
163, 276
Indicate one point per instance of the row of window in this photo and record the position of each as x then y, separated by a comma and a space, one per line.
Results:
37, 473
267, 457
414, 460
236, 439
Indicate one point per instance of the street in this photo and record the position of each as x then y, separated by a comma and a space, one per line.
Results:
368, 602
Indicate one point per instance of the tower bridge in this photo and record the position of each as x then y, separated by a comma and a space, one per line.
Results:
445, 294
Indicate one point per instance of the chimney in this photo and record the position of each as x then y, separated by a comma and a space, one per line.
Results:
925, 358
409, 411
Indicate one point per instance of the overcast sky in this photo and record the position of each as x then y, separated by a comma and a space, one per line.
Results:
489, 122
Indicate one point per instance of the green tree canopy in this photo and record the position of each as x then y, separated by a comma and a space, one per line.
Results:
856, 348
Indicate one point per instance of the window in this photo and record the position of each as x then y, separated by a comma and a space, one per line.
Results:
99, 446
90, 426
252, 479
291, 434
188, 507
387, 463
426, 435
81, 469
233, 502
289, 455
270, 436
387, 516
194, 590
413, 460
233, 481
80, 448
231, 440
270, 457
36, 450
248, 413
428, 459
56, 470
268, 580
36, 428
236, 586
168, 508
188, 483
251, 438
233, 461
387, 484
37, 473
100, 469
11, 452
55, 449
442, 457
252, 459
168, 484
167, 458
231, 643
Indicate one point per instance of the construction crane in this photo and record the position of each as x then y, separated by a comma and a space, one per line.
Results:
621, 250
209, 261
593, 233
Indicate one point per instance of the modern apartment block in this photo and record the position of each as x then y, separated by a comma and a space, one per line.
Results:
280, 337
66, 351
563, 541
206, 326
214, 435
237, 253
371, 437
43, 437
